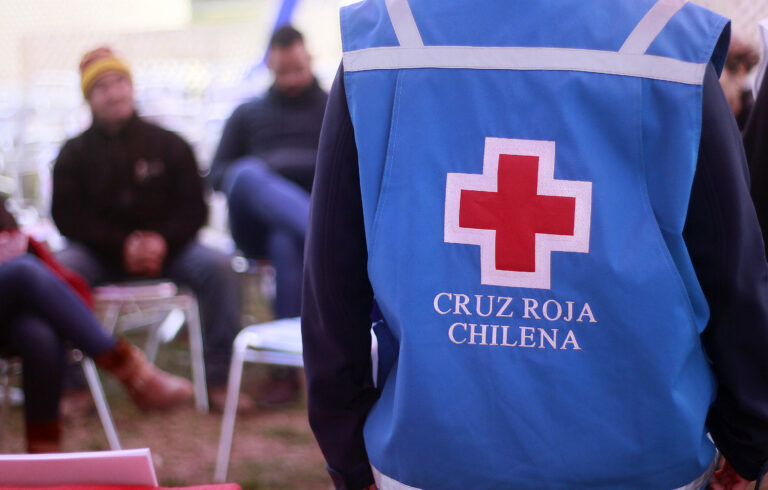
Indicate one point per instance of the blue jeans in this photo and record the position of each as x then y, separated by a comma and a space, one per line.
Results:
268, 216
207, 273
40, 312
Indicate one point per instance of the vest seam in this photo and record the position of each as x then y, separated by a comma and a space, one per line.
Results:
658, 238
389, 160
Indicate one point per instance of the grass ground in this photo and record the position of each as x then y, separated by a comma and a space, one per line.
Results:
272, 448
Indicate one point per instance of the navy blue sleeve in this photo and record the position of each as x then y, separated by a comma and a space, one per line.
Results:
721, 233
337, 302
756, 145
725, 244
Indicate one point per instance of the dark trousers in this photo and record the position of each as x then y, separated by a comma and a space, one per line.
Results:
268, 216
207, 273
40, 312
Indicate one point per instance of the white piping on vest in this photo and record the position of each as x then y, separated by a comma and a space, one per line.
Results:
383, 482
631, 60
517, 58
651, 25
405, 25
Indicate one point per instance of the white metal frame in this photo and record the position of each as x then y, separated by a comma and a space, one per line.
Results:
278, 343
164, 308
94, 383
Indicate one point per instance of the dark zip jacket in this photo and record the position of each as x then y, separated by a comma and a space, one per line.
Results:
143, 177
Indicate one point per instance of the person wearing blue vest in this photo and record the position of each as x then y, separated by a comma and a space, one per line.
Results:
544, 211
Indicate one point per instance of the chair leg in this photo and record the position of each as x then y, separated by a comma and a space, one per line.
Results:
230, 412
196, 352
110, 316
152, 344
164, 332
97, 392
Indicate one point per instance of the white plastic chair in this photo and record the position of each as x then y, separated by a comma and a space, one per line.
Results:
163, 307
278, 343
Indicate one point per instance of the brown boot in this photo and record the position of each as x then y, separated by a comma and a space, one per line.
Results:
149, 387
43, 437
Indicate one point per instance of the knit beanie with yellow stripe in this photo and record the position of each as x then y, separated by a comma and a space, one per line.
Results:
97, 63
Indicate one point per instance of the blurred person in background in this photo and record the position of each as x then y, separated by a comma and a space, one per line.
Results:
755, 136
44, 308
265, 164
742, 57
128, 197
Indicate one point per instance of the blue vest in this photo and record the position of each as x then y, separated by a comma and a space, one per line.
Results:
525, 174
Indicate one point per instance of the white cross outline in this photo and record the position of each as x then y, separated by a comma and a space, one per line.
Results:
545, 244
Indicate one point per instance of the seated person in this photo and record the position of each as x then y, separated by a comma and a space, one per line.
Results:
40, 311
742, 57
128, 196
265, 165
755, 137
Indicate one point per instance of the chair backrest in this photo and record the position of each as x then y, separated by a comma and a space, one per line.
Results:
279, 335
136, 291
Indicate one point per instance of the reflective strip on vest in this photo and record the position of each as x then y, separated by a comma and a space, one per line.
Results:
516, 58
405, 26
631, 60
651, 25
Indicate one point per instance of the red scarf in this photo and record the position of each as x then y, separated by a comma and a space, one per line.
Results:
70, 277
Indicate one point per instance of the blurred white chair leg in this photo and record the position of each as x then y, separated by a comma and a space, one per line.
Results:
277, 343
230, 412
163, 333
97, 392
196, 352
152, 345
110, 317
151, 299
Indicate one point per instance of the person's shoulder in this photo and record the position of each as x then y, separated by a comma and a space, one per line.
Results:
159, 132
73, 147
247, 112
251, 106
151, 127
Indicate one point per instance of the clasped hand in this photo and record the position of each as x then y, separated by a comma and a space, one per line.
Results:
144, 253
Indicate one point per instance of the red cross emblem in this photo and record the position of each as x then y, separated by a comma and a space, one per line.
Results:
518, 213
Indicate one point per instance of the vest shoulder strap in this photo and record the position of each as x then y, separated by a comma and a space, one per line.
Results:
649, 27
405, 25
630, 60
